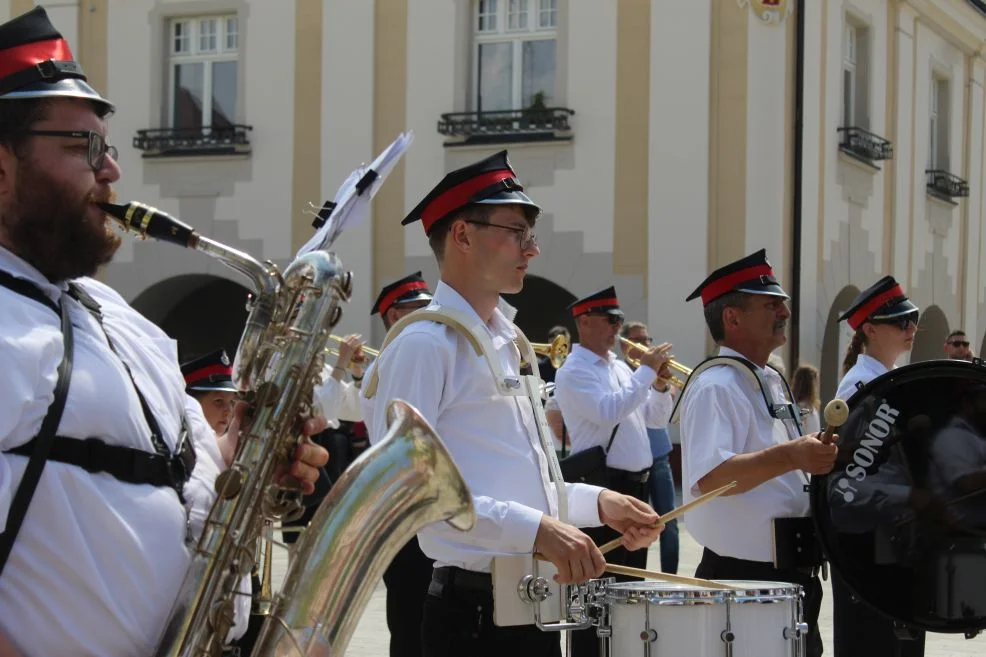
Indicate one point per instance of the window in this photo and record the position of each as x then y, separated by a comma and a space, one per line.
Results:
203, 69
515, 54
855, 84
938, 124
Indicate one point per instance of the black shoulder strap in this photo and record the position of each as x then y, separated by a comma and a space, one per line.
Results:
27, 289
612, 437
46, 436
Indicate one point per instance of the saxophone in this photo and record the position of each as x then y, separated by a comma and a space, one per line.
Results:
278, 363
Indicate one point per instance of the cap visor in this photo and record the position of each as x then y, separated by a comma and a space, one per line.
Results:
67, 88
770, 290
214, 387
899, 309
422, 296
509, 197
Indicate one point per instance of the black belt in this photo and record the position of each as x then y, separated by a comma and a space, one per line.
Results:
453, 578
628, 476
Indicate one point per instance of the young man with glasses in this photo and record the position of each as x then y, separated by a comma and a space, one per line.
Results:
604, 403
957, 346
479, 223
107, 466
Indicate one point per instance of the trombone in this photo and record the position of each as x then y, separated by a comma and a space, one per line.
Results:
556, 351
677, 382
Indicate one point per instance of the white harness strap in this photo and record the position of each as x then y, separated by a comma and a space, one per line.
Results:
528, 385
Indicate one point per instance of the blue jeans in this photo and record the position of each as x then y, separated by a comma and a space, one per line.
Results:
661, 484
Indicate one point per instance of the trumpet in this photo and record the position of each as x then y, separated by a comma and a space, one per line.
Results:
676, 381
556, 350
367, 351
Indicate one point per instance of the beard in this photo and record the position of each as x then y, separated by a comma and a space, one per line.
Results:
54, 231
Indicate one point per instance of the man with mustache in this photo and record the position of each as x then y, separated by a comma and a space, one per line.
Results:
107, 466
738, 423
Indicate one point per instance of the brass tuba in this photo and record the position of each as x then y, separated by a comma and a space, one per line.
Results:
406, 481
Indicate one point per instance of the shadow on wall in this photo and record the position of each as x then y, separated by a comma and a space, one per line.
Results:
541, 305
201, 312
930, 337
834, 344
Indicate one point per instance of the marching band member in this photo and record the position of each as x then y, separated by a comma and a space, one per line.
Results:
605, 403
884, 322
337, 398
94, 544
480, 226
729, 434
409, 574
209, 379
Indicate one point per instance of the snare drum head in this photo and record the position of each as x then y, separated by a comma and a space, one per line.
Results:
902, 515
663, 593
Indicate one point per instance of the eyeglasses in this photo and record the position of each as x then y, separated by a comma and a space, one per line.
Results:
902, 323
613, 320
98, 148
524, 237
959, 343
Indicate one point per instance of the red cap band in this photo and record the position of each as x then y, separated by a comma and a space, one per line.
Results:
398, 292
459, 195
727, 283
857, 318
206, 372
587, 306
22, 57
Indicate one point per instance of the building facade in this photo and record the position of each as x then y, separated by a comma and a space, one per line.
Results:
663, 139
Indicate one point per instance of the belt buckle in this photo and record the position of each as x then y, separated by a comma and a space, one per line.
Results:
93, 448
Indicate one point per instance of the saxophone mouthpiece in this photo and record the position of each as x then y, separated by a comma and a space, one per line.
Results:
150, 222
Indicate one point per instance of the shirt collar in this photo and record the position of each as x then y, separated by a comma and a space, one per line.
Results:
500, 323
871, 363
17, 266
590, 356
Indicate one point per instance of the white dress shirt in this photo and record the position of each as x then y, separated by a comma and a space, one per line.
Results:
492, 438
595, 394
337, 400
98, 562
723, 414
865, 370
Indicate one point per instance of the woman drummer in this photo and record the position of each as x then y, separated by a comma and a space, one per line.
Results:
884, 322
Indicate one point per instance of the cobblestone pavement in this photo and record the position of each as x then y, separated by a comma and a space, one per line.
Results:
371, 638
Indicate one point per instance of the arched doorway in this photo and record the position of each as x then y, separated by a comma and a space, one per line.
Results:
540, 306
201, 312
930, 338
834, 343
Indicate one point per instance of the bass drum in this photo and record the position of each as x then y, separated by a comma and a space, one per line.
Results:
902, 516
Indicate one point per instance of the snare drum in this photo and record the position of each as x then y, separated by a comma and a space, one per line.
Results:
759, 619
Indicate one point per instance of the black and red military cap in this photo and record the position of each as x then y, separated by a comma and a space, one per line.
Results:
36, 62
602, 302
882, 301
752, 274
210, 372
490, 181
406, 290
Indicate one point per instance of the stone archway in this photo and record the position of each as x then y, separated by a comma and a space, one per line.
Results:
834, 343
201, 312
928, 341
541, 305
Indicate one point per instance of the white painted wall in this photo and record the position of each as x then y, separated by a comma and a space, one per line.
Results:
347, 138
679, 175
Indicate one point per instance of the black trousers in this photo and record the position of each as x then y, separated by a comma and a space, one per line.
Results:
585, 643
714, 566
407, 579
859, 631
458, 621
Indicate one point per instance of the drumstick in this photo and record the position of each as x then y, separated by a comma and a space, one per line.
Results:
665, 577
674, 513
836, 413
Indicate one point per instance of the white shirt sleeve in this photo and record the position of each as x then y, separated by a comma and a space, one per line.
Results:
708, 429
583, 505
415, 368
580, 393
657, 412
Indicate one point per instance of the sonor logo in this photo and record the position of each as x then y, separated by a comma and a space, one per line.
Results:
864, 456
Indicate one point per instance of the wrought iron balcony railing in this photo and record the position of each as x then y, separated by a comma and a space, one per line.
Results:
944, 184
170, 142
500, 126
865, 144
